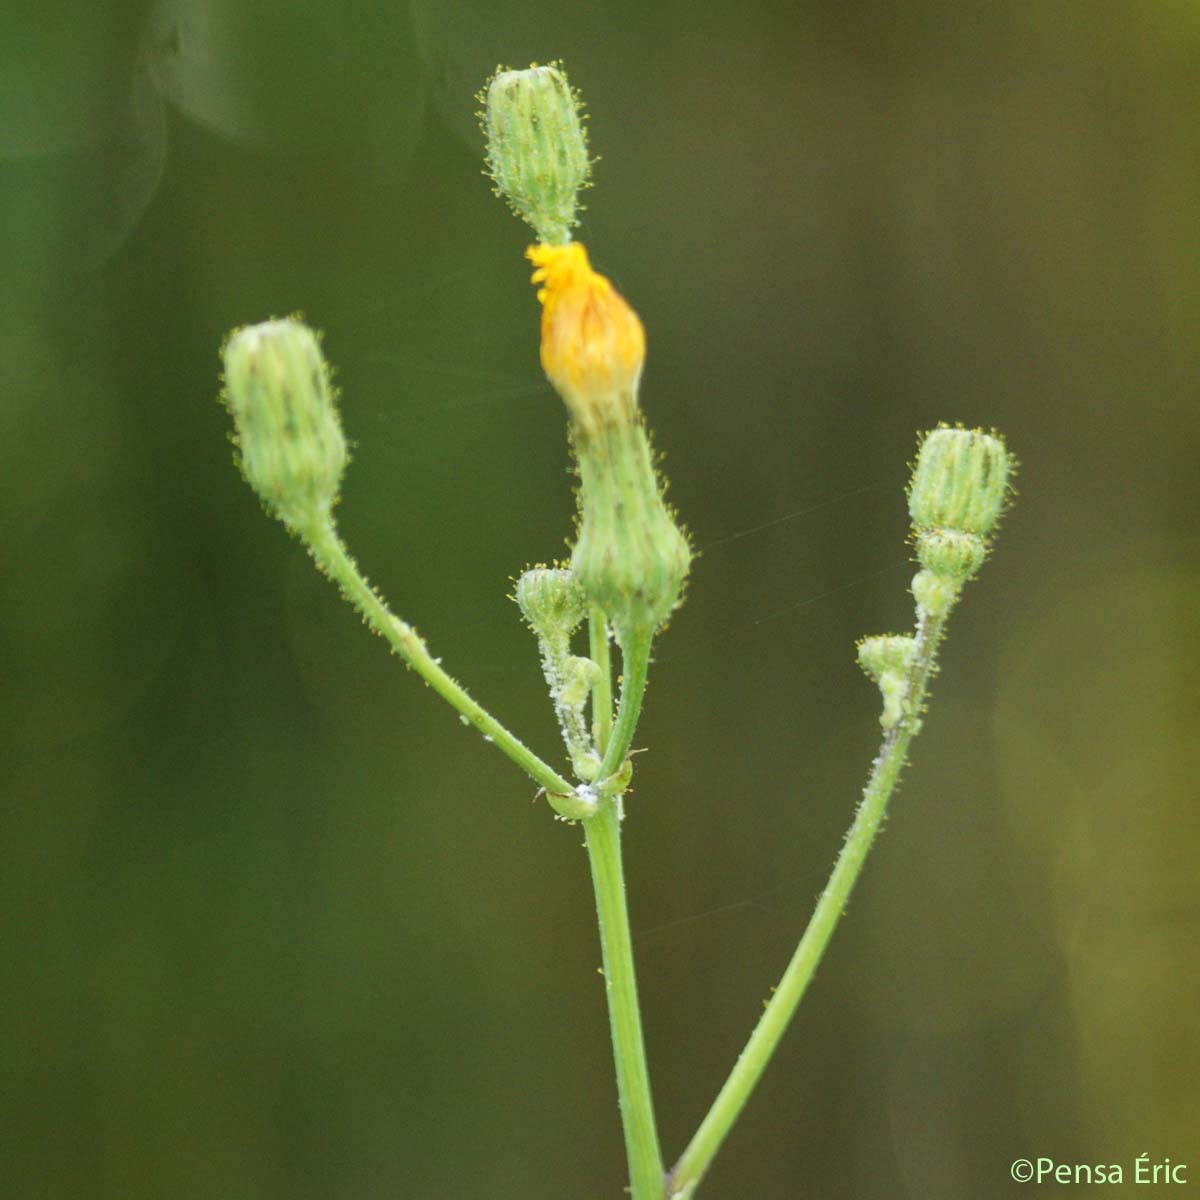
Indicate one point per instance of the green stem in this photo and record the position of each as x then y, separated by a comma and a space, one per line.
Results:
687, 1173
598, 647
629, 1051
635, 668
331, 555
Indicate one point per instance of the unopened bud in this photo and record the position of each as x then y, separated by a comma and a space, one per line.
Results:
887, 659
935, 594
289, 436
951, 554
631, 558
552, 602
886, 654
536, 147
960, 481
579, 676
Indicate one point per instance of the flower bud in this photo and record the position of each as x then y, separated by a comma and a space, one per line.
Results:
951, 554
579, 676
554, 605
552, 602
536, 147
960, 481
630, 557
888, 660
935, 594
289, 436
886, 654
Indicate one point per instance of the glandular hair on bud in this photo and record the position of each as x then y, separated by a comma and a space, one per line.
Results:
552, 601
960, 481
289, 435
537, 151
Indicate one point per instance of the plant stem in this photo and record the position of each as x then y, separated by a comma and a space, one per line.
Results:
635, 668
598, 648
331, 555
629, 1051
687, 1173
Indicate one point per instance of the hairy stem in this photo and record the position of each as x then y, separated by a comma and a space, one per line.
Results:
332, 557
687, 1173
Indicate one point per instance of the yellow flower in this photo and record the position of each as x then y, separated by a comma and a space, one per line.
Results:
593, 343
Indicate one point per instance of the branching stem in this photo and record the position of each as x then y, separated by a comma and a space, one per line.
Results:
332, 557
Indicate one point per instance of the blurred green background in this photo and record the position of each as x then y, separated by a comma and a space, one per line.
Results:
274, 924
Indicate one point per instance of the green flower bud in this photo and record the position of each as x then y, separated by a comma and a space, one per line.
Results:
960, 481
554, 605
579, 676
289, 436
631, 557
536, 147
951, 554
887, 659
552, 602
886, 654
935, 594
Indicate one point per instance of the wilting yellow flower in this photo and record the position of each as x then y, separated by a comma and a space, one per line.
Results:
593, 343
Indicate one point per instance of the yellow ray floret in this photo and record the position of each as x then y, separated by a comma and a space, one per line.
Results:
593, 343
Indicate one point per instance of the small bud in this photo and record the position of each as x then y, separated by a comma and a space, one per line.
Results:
555, 605
579, 676
887, 660
536, 147
289, 436
552, 602
886, 653
631, 557
951, 554
935, 594
960, 481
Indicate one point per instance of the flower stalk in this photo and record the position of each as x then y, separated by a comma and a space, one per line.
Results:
959, 488
638, 1121
293, 453
687, 1173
